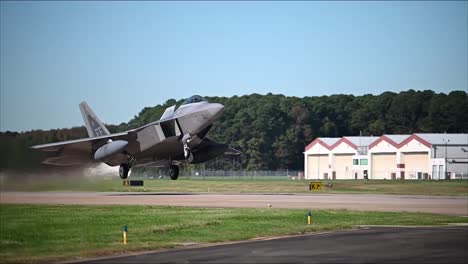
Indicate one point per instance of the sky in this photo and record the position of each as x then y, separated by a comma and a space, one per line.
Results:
123, 56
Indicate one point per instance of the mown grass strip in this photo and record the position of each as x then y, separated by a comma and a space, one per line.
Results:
43, 233
406, 187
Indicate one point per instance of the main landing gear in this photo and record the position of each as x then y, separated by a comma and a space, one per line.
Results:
123, 171
125, 167
174, 172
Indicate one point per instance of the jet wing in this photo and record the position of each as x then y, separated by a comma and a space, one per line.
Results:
229, 151
232, 152
78, 151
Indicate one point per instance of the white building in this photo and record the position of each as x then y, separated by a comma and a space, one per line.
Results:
416, 156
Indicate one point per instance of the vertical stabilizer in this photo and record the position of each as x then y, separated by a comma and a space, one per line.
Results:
168, 112
94, 126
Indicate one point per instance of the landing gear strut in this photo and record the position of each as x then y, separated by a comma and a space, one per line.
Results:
185, 140
174, 172
187, 152
123, 171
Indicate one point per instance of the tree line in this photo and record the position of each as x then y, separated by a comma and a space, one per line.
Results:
272, 130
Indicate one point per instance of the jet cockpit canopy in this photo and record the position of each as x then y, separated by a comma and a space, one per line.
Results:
194, 99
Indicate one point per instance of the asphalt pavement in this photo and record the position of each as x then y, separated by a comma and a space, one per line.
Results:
363, 245
362, 202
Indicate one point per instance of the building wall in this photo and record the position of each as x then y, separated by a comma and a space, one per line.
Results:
360, 170
383, 147
411, 159
343, 148
438, 169
453, 153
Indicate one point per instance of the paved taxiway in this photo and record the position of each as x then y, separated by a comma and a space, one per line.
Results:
373, 245
365, 202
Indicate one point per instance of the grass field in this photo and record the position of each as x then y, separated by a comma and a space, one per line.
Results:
43, 233
446, 187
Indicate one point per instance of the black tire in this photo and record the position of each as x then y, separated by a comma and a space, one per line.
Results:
174, 172
123, 171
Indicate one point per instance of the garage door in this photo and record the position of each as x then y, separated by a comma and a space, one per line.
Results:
383, 165
416, 164
317, 165
343, 166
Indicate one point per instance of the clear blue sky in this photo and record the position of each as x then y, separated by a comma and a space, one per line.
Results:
123, 56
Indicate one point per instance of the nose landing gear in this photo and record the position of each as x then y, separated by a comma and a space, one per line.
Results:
185, 141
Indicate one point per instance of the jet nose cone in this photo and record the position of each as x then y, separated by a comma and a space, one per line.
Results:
219, 107
216, 110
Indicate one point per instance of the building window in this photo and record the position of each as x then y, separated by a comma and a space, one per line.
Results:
362, 150
363, 161
355, 162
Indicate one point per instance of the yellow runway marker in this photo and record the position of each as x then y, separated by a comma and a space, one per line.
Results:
125, 234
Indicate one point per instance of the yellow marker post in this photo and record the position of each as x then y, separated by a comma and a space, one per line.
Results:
309, 217
125, 234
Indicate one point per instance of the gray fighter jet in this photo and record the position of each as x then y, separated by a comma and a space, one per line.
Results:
180, 135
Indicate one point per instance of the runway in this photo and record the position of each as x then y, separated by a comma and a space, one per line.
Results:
360, 202
374, 245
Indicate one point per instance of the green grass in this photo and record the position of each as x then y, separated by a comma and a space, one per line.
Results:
42, 233
445, 187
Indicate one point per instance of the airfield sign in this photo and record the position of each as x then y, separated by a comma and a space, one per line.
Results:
315, 186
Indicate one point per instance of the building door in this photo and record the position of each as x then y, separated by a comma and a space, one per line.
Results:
317, 165
383, 164
415, 164
342, 164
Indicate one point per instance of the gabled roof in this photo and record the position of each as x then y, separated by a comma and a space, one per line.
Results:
326, 142
383, 138
415, 137
397, 141
397, 138
330, 143
362, 141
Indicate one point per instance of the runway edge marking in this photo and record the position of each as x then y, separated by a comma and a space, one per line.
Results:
204, 245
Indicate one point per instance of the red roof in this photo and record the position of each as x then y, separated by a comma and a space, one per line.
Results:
318, 141
373, 144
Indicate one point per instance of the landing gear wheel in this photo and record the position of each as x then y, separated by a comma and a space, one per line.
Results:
174, 172
123, 171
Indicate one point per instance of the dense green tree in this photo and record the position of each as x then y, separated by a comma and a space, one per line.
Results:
272, 130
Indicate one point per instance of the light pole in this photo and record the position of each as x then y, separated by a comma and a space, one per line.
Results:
446, 142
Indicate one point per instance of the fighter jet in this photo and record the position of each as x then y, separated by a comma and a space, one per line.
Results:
179, 135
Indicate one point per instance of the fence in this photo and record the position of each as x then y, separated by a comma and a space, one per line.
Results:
230, 174
202, 174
